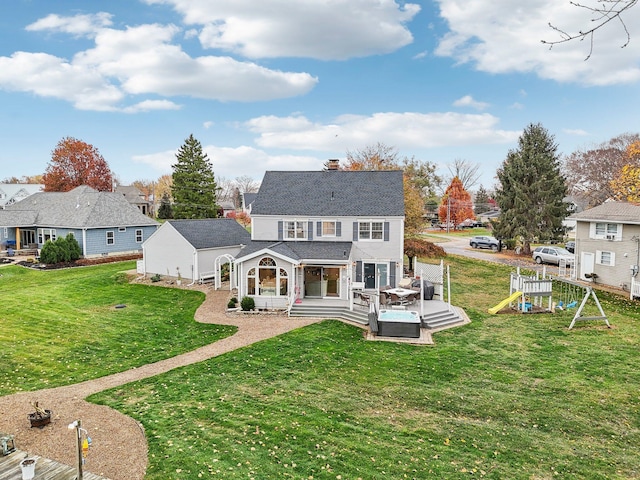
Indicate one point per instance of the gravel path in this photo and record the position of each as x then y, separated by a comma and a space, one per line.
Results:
119, 448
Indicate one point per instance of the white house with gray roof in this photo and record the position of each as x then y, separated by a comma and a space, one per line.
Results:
11, 193
315, 233
608, 243
103, 223
194, 248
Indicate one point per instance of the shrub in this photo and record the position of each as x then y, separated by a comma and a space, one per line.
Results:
510, 243
74, 247
232, 302
247, 304
156, 278
49, 253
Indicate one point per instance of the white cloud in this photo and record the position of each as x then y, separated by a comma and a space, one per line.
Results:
149, 105
468, 101
233, 162
575, 131
402, 130
501, 37
137, 61
334, 30
77, 25
208, 124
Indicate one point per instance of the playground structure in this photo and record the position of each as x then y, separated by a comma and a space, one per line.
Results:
531, 291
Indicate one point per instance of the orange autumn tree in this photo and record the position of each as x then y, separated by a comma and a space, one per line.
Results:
456, 205
626, 186
74, 163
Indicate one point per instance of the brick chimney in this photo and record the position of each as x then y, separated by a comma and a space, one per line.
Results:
333, 164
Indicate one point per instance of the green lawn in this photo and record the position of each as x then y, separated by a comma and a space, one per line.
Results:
508, 396
60, 327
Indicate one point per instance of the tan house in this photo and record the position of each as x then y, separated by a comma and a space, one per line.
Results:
608, 244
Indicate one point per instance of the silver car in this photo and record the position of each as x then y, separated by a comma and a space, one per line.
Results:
552, 255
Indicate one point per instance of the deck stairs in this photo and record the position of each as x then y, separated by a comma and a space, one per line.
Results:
445, 318
330, 311
438, 316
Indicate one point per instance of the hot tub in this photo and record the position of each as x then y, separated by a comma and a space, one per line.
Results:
399, 323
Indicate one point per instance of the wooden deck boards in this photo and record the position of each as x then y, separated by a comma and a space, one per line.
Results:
45, 469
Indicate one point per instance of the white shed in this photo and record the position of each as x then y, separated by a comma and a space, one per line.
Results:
195, 249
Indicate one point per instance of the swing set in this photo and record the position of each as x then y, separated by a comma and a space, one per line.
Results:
531, 290
570, 292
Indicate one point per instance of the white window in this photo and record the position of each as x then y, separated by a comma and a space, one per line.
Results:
268, 279
45, 234
295, 230
605, 258
139, 235
370, 230
6, 232
328, 229
609, 231
111, 238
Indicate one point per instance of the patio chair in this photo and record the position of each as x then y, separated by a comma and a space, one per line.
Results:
394, 299
384, 298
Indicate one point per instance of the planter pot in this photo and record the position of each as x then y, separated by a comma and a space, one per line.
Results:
28, 466
38, 420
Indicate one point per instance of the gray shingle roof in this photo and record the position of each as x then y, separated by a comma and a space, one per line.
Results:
331, 193
614, 212
248, 198
301, 250
212, 232
82, 207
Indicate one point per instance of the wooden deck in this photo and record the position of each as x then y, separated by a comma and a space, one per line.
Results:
45, 469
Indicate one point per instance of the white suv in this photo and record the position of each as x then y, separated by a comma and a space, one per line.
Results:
552, 255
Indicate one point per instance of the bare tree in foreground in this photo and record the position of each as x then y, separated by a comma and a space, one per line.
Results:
603, 13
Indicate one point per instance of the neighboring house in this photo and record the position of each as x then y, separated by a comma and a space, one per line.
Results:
11, 193
135, 197
227, 207
194, 248
247, 201
575, 205
315, 233
608, 243
103, 223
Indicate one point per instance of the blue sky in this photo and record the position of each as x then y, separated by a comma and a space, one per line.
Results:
288, 84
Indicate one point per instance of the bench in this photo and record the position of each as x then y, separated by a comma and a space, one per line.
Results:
207, 277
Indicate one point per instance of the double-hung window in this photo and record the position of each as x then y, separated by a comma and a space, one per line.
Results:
295, 230
111, 238
328, 229
370, 230
139, 236
610, 231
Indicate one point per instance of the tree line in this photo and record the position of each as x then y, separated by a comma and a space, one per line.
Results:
530, 192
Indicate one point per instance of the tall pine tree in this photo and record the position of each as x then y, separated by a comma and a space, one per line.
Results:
194, 184
482, 201
531, 190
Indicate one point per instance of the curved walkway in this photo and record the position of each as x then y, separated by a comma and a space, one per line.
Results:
119, 447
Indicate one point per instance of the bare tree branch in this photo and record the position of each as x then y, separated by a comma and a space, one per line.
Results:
605, 12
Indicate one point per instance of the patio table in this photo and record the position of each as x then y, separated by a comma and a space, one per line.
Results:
401, 293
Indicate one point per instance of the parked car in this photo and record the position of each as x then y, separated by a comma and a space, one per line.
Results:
570, 246
470, 223
553, 255
480, 241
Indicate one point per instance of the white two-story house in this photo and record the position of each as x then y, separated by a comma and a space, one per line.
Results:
315, 233
608, 243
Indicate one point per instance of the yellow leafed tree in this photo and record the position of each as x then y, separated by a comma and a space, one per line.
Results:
626, 187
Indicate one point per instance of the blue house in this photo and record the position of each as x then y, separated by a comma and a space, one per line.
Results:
103, 223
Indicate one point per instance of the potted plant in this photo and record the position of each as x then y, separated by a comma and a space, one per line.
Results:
40, 417
179, 281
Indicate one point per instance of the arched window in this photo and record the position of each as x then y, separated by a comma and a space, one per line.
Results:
267, 279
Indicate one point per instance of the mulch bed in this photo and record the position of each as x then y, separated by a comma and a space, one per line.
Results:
83, 262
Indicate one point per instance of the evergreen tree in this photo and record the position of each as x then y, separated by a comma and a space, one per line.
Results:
482, 201
531, 190
194, 184
165, 211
